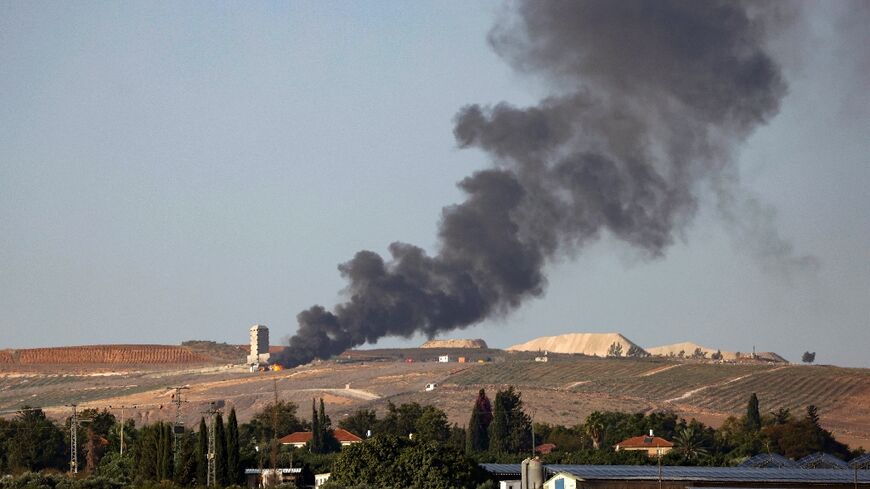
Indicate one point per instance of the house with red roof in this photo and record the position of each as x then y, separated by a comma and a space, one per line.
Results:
301, 438
652, 445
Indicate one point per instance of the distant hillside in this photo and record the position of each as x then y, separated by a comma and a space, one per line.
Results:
597, 344
454, 343
688, 348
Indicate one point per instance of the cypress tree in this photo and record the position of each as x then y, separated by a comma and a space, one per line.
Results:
753, 415
202, 453
499, 428
315, 428
511, 428
233, 451
147, 455
185, 468
328, 443
220, 451
166, 465
478, 426
160, 452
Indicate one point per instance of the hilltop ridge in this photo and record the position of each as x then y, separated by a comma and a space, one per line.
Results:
593, 344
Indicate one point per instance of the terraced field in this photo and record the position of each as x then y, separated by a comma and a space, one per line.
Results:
672, 384
582, 371
792, 387
708, 391
110, 354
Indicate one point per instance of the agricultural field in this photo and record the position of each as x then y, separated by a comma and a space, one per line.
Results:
563, 390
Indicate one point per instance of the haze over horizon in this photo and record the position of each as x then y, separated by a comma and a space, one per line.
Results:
182, 171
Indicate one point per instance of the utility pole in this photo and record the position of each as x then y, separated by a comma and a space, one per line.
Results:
122, 408
211, 475
659, 455
179, 425
74, 423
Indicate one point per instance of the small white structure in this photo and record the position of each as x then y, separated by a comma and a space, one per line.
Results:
510, 484
444, 358
431, 386
259, 345
562, 480
320, 479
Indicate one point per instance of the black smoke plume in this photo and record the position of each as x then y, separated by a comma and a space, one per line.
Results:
648, 100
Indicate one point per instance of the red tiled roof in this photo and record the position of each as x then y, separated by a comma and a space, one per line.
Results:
545, 448
644, 442
342, 435
298, 437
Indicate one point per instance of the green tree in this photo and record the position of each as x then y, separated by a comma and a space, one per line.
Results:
615, 349
185, 466
202, 453
234, 469
165, 464
808, 357
781, 416
360, 422
637, 352
414, 464
511, 428
753, 415
283, 414
690, 443
478, 425
154, 453
220, 451
36, 443
595, 429
118, 467
432, 425
717, 355
323, 439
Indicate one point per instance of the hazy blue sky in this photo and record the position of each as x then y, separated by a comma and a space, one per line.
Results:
173, 171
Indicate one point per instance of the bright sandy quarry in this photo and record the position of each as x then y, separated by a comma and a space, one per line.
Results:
586, 343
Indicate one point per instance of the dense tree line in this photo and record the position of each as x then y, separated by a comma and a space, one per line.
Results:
418, 439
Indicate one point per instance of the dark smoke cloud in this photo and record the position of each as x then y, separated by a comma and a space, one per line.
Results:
649, 98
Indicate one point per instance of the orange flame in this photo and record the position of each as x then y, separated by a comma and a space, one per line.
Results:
276, 368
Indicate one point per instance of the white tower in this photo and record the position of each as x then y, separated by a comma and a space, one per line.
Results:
259, 344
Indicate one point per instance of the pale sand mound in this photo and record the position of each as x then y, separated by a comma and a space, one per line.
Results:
586, 343
454, 343
688, 348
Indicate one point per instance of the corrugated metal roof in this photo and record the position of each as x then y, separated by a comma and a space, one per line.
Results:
769, 460
707, 474
821, 460
862, 462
